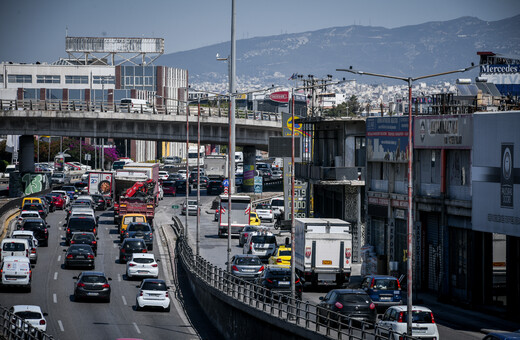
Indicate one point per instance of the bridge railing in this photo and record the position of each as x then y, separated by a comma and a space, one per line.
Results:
301, 313
100, 106
14, 327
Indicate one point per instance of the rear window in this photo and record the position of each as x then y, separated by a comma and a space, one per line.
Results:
32, 225
80, 248
134, 244
28, 315
138, 227
263, 206
93, 279
277, 203
418, 317
129, 219
387, 284
284, 253
154, 286
353, 298
248, 261
13, 246
81, 237
82, 223
126, 101
142, 260
263, 239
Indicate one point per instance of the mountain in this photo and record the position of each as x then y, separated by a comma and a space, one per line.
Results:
415, 50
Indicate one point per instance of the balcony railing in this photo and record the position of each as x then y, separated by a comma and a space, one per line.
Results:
380, 185
321, 173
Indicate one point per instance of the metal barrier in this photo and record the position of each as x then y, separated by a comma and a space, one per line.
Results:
13, 327
303, 314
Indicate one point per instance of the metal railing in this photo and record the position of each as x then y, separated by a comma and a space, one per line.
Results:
13, 327
98, 106
300, 313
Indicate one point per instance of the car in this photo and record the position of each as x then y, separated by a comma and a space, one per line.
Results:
14, 247
182, 173
33, 243
282, 257
214, 186
384, 290
254, 219
276, 174
99, 202
58, 200
261, 243
16, 271
277, 205
87, 238
60, 178
192, 207
49, 202
276, 282
169, 188
394, 322
173, 177
181, 186
242, 238
142, 265
203, 181
129, 218
265, 212
79, 255
152, 293
79, 224
130, 246
31, 314
36, 207
503, 336
246, 267
78, 211
66, 197
25, 214
163, 175
39, 228
70, 190
348, 303
92, 285
140, 230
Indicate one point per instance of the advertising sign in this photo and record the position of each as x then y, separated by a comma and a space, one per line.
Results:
280, 97
100, 183
443, 132
496, 173
387, 139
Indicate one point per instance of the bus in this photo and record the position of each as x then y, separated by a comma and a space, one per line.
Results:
240, 211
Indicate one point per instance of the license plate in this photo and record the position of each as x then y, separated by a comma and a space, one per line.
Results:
418, 330
384, 298
249, 270
142, 271
92, 294
80, 257
284, 283
327, 262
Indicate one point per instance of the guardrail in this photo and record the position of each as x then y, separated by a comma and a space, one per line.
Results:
13, 327
97, 106
306, 315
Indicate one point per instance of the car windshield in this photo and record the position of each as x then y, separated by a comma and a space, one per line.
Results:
154, 286
353, 298
13, 246
142, 260
28, 315
138, 227
93, 279
419, 316
263, 239
388, 284
243, 261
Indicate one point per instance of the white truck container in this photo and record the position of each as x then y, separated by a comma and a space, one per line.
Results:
216, 166
323, 251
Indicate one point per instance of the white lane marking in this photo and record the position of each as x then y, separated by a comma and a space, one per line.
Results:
55, 275
59, 256
117, 257
61, 326
54, 298
119, 277
115, 245
124, 300
136, 328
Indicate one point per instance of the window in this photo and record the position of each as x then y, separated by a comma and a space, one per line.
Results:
76, 79
104, 80
19, 78
47, 79
1, 78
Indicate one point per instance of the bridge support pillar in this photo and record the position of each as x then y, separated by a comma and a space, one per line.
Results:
249, 153
26, 156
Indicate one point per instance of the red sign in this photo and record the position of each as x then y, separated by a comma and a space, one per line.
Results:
308, 252
280, 97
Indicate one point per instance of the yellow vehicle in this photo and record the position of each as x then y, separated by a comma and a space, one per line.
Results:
129, 218
282, 257
253, 218
31, 200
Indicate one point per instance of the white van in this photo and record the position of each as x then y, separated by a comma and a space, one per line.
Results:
15, 247
136, 105
16, 271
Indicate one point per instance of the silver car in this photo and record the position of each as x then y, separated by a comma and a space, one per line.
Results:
246, 267
245, 233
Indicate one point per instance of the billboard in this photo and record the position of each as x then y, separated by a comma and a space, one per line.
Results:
280, 97
447, 132
114, 45
387, 139
496, 173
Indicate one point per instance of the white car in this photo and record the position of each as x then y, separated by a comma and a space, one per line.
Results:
163, 175
395, 317
33, 315
265, 212
142, 264
153, 293
16, 271
26, 214
182, 173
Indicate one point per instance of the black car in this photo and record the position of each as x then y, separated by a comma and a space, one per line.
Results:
92, 285
48, 202
36, 207
139, 230
99, 202
347, 303
87, 238
79, 224
181, 186
130, 246
81, 185
277, 284
214, 186
80, 255
39, 228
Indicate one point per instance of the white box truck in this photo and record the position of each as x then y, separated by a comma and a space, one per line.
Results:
216, 166
323, 251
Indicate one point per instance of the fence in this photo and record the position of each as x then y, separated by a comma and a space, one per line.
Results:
310, 317
13, 327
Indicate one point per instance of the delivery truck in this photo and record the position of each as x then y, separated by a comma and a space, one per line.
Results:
323, 251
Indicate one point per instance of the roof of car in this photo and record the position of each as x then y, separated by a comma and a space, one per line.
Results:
144, 255
16, 259
93, 273
33, 219
350, 291
382, 277
404, 308
506, 335
30, 308
128, 239
154, 280
22, 232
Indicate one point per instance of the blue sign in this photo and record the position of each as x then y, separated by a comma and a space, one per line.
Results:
387, 139
258, 184
225, 182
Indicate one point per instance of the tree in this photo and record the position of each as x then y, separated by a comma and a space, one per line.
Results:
353, 105
345, 109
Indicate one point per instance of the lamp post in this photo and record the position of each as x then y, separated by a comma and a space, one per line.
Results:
409, 81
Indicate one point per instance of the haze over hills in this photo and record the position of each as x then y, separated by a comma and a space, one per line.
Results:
415, 50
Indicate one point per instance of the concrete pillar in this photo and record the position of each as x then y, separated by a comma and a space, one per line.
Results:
249, 153
26, 156
513, 276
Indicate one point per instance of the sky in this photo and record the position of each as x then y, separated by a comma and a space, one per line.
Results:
35, 30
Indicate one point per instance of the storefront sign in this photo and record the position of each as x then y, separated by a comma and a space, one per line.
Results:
443, 132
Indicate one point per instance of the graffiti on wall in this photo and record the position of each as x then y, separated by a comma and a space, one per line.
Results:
34, 182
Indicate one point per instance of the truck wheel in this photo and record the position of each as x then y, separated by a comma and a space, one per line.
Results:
220, 235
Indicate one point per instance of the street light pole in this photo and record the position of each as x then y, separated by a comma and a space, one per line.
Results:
409, 81
198, 179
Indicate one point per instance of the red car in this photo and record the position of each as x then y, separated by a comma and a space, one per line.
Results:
58, 201
169, 188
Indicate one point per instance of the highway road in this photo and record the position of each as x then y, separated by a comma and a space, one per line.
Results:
53, 286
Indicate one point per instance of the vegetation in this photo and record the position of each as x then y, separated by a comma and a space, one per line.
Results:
346, 109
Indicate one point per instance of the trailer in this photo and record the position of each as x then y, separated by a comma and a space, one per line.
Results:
240, 211
216, 166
